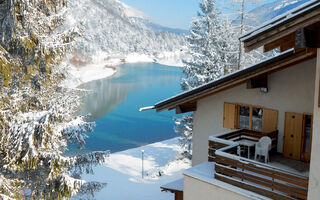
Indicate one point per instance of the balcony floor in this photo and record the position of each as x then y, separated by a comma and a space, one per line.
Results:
290, 165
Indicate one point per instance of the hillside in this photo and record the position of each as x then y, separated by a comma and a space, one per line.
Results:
110, 28
270, 10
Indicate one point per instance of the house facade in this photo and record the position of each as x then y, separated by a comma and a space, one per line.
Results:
289, 90
278, 98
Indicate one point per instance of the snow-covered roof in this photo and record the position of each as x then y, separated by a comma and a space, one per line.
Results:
205, 172
174, 186
281, 19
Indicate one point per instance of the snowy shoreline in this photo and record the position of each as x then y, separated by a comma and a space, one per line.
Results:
123, 170
106, 66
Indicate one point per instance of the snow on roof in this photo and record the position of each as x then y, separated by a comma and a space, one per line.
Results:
202, 171
290, 15
176, 185
205, 172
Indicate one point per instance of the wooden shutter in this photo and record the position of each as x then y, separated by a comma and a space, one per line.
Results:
269, 120
230, 116
293, 135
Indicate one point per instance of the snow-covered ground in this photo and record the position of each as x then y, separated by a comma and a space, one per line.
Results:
122, 172
103, 66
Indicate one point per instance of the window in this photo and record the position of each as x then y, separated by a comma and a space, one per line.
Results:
244, 117
250, 117
257, 119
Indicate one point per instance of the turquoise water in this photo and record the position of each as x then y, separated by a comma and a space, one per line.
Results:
115, 102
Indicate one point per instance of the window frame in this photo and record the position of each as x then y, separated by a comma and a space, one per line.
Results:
250, 114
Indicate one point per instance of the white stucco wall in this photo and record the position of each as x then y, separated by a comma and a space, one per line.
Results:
290, 90
314, 176
195, 189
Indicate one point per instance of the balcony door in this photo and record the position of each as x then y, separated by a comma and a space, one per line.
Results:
297, 136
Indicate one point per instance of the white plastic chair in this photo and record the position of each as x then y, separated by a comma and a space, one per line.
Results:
263, 147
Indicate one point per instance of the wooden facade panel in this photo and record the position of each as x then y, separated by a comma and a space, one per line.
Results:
293, 135
269, 120
229, 116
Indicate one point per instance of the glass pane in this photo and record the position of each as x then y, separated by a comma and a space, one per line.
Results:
257, 119
244, 117
307, 134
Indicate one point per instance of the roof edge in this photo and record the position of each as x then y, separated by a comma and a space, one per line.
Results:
224, 82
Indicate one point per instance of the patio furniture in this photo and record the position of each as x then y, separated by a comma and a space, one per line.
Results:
263, 147
245, 143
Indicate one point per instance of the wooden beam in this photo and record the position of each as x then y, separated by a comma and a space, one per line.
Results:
301, 39
307, 38
285, 43
258, 82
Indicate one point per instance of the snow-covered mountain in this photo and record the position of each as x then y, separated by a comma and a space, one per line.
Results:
140, 17
157, 27
270, 10
110, 27
132, 12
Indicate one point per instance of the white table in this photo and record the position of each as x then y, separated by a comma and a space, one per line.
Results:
247, 143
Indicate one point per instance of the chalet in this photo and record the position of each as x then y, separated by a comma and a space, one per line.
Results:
276, 99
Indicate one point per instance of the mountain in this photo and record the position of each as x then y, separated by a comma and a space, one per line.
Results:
111, 27
132, 12
157, 27
271, 10
140, 17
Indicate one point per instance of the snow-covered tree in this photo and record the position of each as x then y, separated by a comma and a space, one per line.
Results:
203, 44
184, 126
214, 51
239, 20
37, 116
207, 60
108, 30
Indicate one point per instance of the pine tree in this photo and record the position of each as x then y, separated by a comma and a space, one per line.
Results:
215, 51
203, 44
184, 126
208, 60
37, 116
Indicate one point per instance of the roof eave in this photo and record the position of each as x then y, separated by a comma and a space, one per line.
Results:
233, 79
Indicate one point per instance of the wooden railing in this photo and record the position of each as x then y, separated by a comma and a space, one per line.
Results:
254, 176
228, 138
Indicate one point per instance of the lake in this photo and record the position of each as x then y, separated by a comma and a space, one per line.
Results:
114, 105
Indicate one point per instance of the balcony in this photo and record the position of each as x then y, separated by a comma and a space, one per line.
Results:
281, 178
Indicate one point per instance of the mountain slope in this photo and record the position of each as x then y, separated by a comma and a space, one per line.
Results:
270, 10
110, 27
158, 28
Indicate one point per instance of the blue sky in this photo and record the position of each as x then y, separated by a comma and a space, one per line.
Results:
171, 13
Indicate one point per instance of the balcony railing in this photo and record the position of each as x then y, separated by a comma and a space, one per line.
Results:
251, 175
